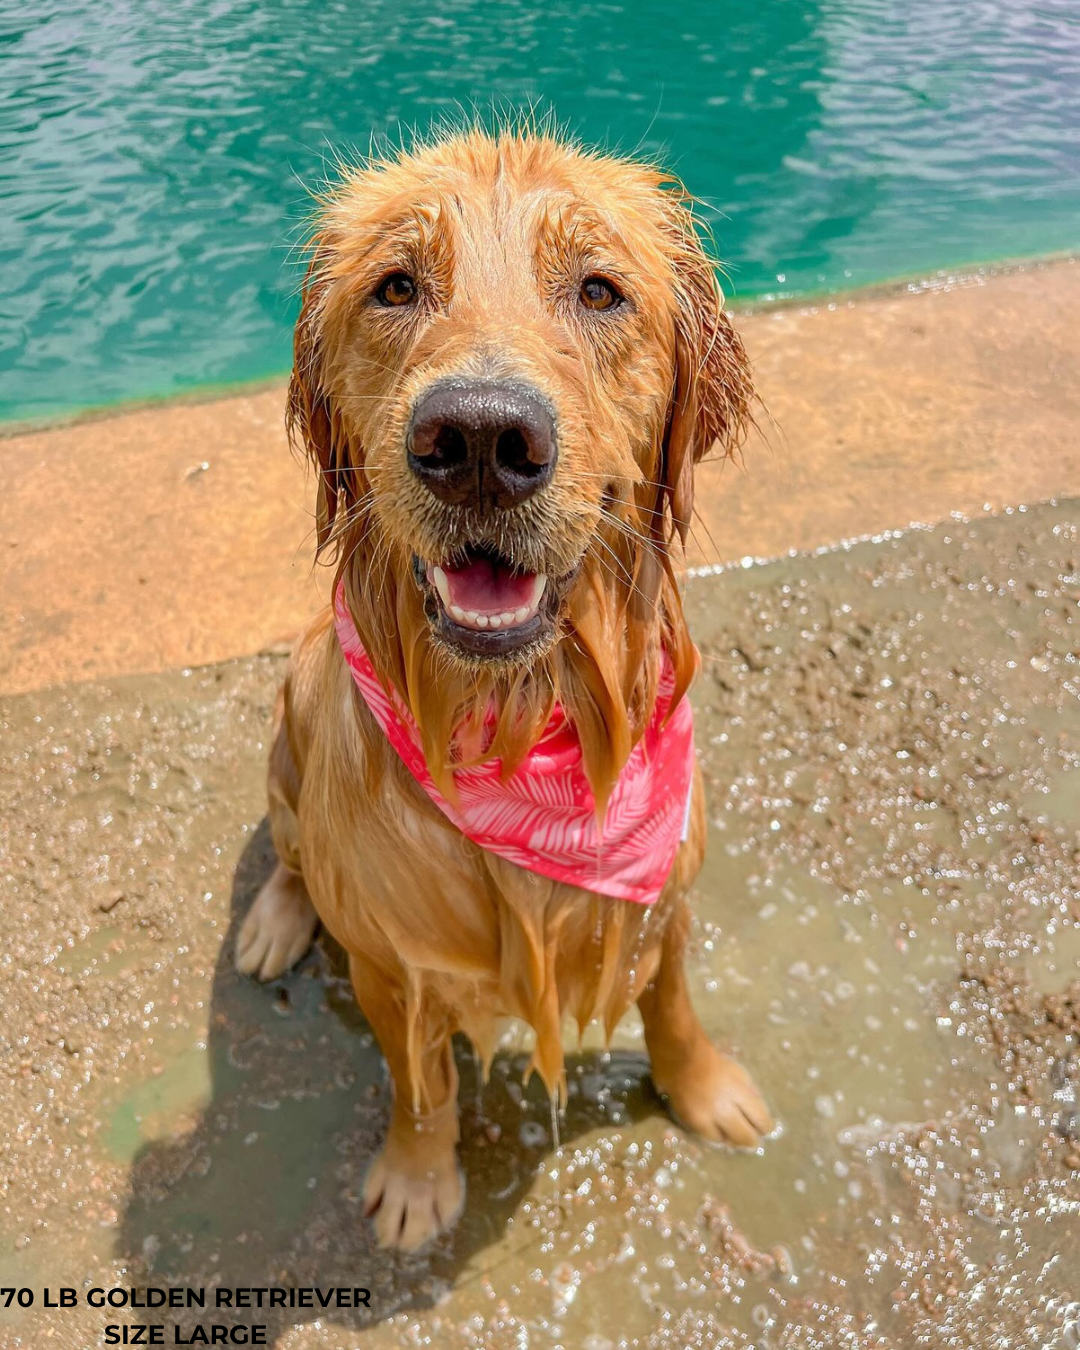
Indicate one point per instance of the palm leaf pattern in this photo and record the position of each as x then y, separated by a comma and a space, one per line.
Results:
543, 817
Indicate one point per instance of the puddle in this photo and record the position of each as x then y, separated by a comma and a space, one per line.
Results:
159, 1107
888, 936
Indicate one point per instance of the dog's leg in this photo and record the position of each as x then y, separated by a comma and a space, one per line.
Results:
278, 927
707, 1091
415, 1188
281, 922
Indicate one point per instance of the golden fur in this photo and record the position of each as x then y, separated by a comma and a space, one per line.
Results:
499, 230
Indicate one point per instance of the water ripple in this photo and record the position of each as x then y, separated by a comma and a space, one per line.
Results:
152, 154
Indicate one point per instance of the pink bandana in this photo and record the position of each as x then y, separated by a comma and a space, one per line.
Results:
543, 817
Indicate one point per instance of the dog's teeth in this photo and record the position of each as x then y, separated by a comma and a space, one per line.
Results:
438, 576
472, 618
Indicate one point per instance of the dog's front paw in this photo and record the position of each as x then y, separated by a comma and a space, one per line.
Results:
413, 1198
278, 928
716, 1098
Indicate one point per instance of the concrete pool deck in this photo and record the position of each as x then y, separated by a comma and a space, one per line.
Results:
179, 534
888, 933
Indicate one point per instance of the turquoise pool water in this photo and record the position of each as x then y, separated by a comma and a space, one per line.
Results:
152, 152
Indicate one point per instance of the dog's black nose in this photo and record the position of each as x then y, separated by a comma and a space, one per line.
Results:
481, 443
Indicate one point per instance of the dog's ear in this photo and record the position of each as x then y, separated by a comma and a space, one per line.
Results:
310, 418
713, 391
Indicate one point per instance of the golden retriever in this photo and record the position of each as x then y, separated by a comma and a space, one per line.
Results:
511, 354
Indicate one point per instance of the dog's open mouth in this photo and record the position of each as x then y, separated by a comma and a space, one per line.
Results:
481, 602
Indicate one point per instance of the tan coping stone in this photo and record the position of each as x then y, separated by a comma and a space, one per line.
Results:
179, 534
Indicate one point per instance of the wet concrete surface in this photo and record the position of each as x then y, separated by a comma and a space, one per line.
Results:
889, 938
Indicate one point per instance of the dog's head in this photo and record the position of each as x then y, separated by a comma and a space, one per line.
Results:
511, 354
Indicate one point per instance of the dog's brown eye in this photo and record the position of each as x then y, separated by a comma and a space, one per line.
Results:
596, 293
397, 289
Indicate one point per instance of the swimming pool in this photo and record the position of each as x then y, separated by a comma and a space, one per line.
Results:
154, 154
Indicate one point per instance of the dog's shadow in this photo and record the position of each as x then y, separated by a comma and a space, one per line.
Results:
265, 1190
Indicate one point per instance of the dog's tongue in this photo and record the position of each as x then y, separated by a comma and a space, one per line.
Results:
489, 587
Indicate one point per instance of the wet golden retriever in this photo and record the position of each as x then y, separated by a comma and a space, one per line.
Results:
511, 354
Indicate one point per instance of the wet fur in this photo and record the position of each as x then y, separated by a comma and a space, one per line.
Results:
441, 935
